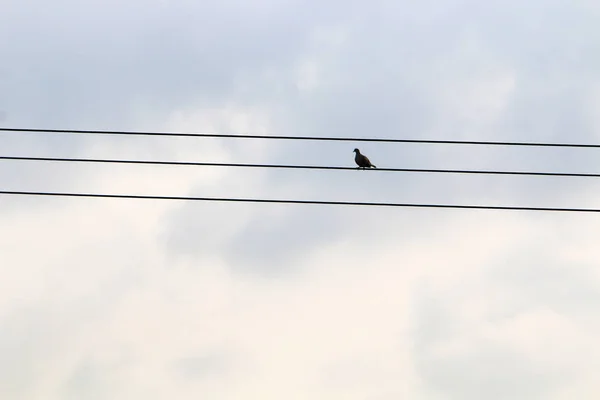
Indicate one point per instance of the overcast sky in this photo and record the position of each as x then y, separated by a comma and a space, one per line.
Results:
124, 299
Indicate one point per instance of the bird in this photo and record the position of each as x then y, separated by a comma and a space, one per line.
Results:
362, 161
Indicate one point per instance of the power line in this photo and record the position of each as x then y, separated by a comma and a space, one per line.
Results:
311, 202
209, 164
313, 138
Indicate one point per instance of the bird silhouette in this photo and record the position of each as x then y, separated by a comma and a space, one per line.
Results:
362, 161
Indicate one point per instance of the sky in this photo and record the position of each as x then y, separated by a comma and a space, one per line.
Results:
131, 299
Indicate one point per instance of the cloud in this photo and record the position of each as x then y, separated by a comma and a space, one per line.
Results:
147, 299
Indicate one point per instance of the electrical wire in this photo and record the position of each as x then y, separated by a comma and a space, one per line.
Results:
209, 164
311, 202
313, 138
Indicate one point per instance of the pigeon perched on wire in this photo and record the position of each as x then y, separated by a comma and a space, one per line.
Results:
362, 161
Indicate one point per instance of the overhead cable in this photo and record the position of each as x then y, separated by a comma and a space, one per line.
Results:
310, 138
286, 166
304, 202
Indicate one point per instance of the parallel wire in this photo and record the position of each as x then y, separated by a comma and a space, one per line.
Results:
311, 202
313, 138
241, 165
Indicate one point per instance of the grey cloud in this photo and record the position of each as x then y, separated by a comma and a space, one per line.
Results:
272, 243
483, 368
103, 59
199, 230
568, 288
489, 371
89, 380
199, 367
268, 243
31, 335
521, 280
